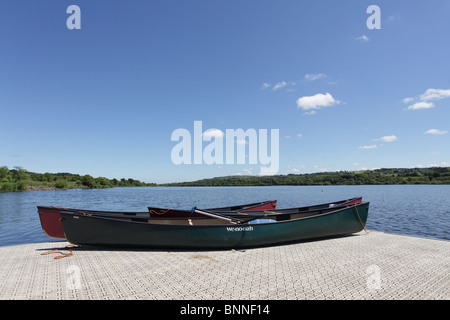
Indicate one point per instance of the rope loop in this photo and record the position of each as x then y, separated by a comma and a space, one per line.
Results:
367, 232
159, 213
63, 255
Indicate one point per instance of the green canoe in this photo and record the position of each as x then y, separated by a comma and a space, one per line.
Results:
211, 233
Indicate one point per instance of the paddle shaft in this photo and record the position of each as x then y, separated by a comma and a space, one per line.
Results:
217, 215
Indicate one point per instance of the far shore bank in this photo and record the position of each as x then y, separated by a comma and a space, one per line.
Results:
47, 188
19, 179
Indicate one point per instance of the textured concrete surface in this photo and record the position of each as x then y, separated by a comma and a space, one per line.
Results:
364, 266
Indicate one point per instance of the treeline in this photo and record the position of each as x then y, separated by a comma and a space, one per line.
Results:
19, 179
434, 175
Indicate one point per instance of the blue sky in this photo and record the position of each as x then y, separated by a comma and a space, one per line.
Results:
105, 99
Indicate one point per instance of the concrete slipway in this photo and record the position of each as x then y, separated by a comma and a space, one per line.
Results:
363, 266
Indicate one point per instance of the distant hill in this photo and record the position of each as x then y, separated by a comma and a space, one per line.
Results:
19, 179
434, 175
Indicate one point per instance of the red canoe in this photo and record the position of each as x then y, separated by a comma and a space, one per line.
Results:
254, 209
155, 212
52, 226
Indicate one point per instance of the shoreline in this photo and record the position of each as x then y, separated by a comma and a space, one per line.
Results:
19, 179
47, 188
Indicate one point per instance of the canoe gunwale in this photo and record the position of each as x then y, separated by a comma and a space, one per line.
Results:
310, 208
320, 214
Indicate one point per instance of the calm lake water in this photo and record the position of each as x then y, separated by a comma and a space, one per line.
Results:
418, 210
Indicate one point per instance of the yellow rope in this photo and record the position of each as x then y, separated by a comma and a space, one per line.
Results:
361, 220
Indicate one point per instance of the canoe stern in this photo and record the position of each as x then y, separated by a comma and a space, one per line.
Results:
50, 222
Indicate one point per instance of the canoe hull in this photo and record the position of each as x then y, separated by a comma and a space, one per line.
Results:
107, 232
51, 224
52, 227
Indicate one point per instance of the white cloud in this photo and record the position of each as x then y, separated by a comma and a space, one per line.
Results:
373, 146
213, 133
387, 138
314, 76
316, 101
287, 137
267, 171
424, 100
442, 164
334, 82
299, 135
245, 172
435, 94
279, 85
436, 131
408, 100
363, 38
421, 105
265, 85
391, 138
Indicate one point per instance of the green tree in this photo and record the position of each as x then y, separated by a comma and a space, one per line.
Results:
4, 171
61, 184
102, 182
88, 181
18, 173
47, 176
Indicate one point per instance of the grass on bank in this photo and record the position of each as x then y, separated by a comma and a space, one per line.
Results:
19, 179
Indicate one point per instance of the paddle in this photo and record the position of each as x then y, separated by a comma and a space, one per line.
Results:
215, 215
224, 217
